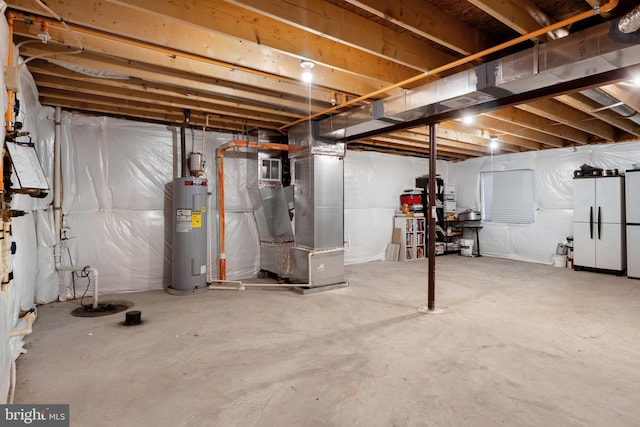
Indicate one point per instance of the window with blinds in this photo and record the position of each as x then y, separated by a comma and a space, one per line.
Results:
507, 196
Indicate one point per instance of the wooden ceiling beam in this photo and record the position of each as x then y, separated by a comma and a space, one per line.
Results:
441, 147
413, 137
396, 149
48, 82
629, 95
249, 27
523, 16
168, 32
145, 58
508, 142
178, 78
43, 70
104, 103
382, 142
430, 22
588, 106
340, 25
500, 127
562, 113
535, 122
455, 139
169, 118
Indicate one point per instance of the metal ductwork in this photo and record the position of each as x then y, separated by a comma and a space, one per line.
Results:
610, 103
592, 52
630, 22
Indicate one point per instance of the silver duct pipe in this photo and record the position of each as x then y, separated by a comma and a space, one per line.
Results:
611, 103
591, 52
630, 22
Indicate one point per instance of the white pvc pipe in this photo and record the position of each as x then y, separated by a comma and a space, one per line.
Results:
242, 285
12, 389
29, 318
239, 285
92, 270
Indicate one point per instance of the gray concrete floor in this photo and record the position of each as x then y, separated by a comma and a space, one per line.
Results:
518, 344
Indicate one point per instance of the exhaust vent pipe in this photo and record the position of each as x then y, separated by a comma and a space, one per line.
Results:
630, 22
610, 103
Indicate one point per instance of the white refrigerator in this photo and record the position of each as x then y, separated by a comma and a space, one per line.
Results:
633, 222
598, 223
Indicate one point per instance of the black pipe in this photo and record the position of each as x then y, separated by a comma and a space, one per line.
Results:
431, 216
184, 164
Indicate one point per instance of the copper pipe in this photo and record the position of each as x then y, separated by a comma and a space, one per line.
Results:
579, 17
222, 265
8, 115
6, 218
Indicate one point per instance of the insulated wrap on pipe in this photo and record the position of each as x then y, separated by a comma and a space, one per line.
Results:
630, 22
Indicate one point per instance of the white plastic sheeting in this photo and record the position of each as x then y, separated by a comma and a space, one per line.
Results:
553, 175
373, 183
117, 194
117, 181
5, 325
20, 292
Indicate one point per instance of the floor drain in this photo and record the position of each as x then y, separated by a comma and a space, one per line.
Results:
104, 309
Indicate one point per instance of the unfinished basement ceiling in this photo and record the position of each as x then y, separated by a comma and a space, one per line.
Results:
236, 64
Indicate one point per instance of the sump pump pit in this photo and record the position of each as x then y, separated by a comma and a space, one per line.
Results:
104, 309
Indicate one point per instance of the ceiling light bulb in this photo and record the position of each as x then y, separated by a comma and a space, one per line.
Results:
44, 36
306, 64
636, 81
493, 142
467, 119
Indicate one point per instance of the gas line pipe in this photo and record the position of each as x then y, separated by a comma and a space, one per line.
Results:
222, 259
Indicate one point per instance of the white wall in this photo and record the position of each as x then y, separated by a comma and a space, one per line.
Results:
553, 175
117, 180
115, 193
373, 183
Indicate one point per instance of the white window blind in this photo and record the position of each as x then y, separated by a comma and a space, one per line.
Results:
507, 196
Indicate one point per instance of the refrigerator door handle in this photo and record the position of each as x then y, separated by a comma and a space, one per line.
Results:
591, 222
599, 221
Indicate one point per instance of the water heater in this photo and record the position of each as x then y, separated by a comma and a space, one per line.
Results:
189, 260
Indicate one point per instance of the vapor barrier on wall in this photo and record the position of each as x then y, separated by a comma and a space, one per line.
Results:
117, 194
373, 183
553, 186
22, 291
117, 180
